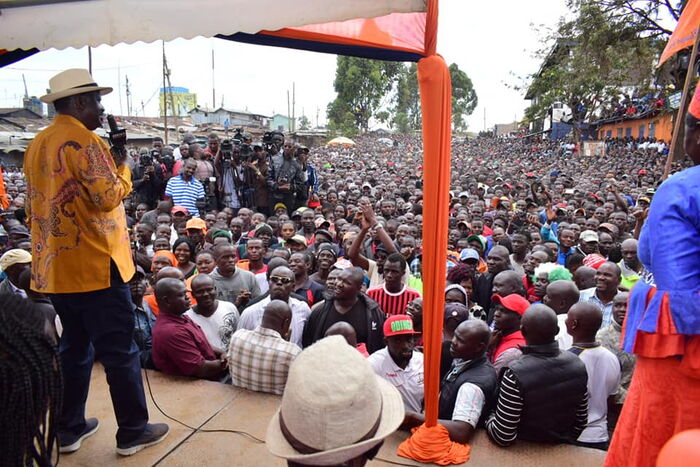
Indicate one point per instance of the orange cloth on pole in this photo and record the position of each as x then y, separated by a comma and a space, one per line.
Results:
4, 202
433, 445
694, 108
686, 31
436, 102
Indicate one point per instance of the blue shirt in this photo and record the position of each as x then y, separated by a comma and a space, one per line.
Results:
185, 193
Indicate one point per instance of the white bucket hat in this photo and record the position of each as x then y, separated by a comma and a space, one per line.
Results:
72, 82
334, 407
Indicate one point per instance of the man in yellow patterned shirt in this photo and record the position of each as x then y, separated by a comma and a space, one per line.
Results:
82, 259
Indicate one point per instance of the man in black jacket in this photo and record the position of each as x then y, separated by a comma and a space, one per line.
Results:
346, 303
498, 260
542, 395
468, 391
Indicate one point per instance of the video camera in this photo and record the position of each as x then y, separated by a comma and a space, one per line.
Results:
145, 160
267, 142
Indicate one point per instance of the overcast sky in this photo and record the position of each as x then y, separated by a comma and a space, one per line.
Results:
489, 45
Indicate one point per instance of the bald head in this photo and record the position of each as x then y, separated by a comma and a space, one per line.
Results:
471, 339
341, 328
507, 283
583, 321
561, 295
275, 262
277, 316
539, 325
170, 272
584, 278
171, 296
202, 280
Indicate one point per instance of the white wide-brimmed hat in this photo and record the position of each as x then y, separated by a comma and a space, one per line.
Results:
72, 82
334, 407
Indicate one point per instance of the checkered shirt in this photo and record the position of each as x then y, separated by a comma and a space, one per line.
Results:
259, 360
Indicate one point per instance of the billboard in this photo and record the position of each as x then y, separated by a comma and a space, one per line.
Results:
182, 101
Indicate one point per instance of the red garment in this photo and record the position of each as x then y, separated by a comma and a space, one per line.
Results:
530, 290
393, 304
362, 348
179, 345
510, 341
663, 399
487, 231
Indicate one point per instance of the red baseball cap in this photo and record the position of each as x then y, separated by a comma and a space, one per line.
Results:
180, 209
397, 325
513, 302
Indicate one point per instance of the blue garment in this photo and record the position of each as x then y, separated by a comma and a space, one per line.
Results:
669, 248
185, 193
561, 259
101, 323
312, 181
549, 233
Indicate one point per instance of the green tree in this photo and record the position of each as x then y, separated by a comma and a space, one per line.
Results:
406, 111
593, 60
304, 122
464, 99
361, 85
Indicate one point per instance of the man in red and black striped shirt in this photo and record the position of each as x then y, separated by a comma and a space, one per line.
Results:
393, 295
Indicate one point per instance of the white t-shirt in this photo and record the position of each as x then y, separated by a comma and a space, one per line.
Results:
469, 404
603, 370
408, 381
564, 339
213, 324
263, 283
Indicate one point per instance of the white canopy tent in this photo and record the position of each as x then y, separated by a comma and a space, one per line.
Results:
27, 24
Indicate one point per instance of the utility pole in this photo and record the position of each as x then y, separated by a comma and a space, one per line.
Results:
317, 112
484, 119
289, 121
128, 97
294, 103
165, 102
119, 86
213, 89
90, 59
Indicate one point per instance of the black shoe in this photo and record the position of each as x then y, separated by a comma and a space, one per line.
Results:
71, 443
153, 434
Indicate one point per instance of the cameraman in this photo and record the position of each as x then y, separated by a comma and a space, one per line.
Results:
286, 178
148, 179
230, 176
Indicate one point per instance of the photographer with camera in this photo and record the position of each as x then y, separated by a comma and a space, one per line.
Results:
286, 177
230, 175
149, 179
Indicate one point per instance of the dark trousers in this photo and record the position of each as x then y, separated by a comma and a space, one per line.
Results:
100, 324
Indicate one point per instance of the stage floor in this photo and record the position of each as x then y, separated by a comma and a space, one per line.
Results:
212, 406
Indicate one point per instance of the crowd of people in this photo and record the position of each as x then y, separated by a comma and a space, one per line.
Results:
243, 253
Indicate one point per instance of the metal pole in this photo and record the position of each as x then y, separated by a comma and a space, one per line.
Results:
681, 108
289, 121
90, 59
165, 102
213, 88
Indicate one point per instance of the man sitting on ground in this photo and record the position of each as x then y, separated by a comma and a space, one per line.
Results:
542, 395
560, 297
399, 363
259, 360
468, 392
209, 313
607, 282
179, 346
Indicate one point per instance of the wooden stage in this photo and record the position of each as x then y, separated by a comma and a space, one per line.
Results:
213, 406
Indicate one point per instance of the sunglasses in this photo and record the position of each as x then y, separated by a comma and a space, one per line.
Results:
281, 280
